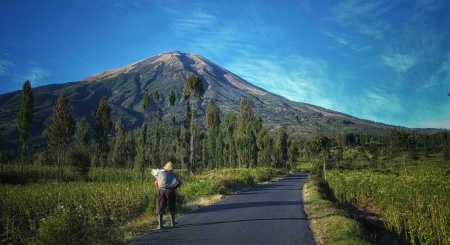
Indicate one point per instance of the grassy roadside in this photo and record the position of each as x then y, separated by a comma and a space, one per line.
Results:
148, 221
329, 224
200, 190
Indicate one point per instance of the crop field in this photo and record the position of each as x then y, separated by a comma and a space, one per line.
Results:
89, 212
414, 201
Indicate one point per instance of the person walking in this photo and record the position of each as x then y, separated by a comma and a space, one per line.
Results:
166, 182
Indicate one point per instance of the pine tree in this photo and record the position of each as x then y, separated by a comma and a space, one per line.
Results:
293, 154
80, 157
157, 134
82, 134
130, 149
247, 126
145, 102
141, 156
228, 127
193, 91
119, 153
25, 118
61, 129
281, 148
264, 144
172, 99
102, 128
212, 124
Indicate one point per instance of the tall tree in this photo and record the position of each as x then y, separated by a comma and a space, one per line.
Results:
264, 144
145, 102
141, 155
80, 157
156, 147
102, 128
247, 126
25, 117
82, 134
212, 123
172, 99
293, 154
281, 147
340, 145
228, 127
119, 153
61, 129
192, 92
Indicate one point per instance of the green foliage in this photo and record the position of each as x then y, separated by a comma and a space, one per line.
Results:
81, 161
247, 126
281, 148
41, 158
212, 123
264, 144
417, 203
50, 212
62, 125
119, 156
145, 102
156, 96
172, 97
105, 204
82, 135
193, 87
329, 224
212, 117
25, 117
103, 126
141, 156
64, 226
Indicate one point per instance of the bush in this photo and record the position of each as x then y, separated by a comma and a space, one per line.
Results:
81, 161
63, 227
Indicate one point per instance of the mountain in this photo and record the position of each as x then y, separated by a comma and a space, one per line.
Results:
124, 88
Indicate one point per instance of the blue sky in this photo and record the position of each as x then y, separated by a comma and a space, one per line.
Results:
386, 61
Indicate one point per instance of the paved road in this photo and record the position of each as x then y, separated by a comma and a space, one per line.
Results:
266, 214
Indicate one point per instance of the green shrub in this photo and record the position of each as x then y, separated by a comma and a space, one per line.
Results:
63, 226
81, 161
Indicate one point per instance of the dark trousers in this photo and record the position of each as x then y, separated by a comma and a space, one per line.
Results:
166, 196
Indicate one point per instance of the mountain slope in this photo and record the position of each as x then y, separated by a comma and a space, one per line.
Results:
124, 88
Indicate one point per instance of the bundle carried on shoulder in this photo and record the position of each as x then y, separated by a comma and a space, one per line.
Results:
166, 179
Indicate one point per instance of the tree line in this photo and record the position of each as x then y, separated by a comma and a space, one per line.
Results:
233, 140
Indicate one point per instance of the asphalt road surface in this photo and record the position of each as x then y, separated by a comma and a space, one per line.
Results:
266, 214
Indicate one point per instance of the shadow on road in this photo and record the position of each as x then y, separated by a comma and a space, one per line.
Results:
221, 207
232, 221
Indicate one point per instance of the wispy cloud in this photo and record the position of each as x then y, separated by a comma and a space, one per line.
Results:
202, 30
35, 74
399, 62
379, 102
294, 77
362, 17
4, 66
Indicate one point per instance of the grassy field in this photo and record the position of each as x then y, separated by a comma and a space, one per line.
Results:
415, 202
105, 210
329, 223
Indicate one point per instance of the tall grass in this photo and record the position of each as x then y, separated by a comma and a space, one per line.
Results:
416, 201
113, 197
